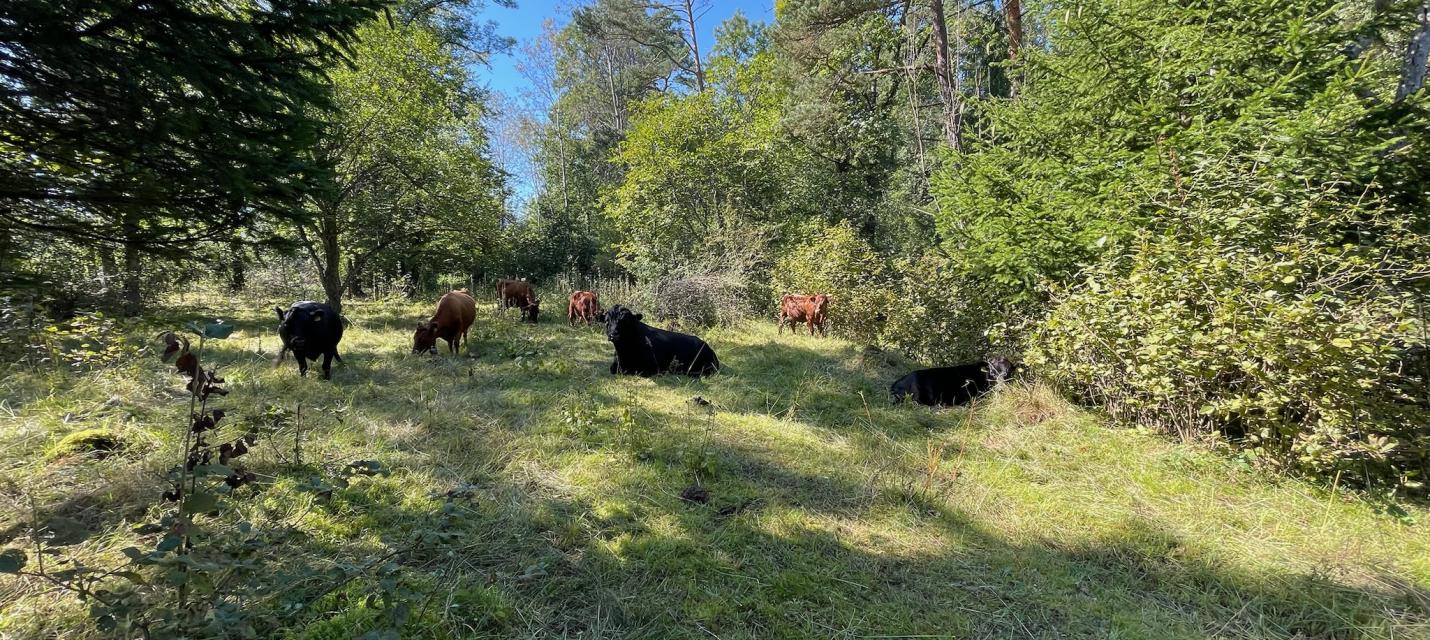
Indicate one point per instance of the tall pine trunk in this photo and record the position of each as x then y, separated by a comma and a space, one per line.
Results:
133, 275
1013, 18
952, 109
133, 267
332, 259
695, 45
1417, 54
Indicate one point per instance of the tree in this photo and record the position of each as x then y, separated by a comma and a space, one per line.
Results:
155, 125
1417, 55
409, 155
946, 73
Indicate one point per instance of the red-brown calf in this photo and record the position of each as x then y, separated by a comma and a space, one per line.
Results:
810, 310
583, 306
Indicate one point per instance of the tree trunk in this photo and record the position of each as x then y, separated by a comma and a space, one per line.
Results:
133, 274
110, 276
237, 270
354, 282
952, 109
1412, 72
911, 28
695, 45
332, 259
1013, 17
133, 268
6, 241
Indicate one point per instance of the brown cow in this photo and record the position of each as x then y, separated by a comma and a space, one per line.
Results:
583, 305
810, 310
454, 315
513, 293
519, 294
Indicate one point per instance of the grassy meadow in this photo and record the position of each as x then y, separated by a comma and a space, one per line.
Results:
557, 492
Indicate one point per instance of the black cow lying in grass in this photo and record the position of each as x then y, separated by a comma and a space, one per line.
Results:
644, 350
948, 386
310, 330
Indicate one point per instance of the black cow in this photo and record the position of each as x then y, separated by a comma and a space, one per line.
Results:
309, 330
944, 386
644, 350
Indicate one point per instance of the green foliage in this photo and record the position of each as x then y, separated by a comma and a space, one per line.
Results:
1105, 138
1299, 353
1230, 229
162, 124
939, 315
88, 341
414, 183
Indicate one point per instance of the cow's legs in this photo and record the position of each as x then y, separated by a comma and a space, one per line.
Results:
302, 364
780, 322
328, 364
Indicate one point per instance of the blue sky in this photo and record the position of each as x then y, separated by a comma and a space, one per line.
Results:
524, 23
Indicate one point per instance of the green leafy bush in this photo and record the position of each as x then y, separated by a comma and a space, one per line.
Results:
940, 315
1295, 352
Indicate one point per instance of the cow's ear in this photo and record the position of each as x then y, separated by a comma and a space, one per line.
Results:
316, 315
421, 326
431, 325
640, 316
280, 312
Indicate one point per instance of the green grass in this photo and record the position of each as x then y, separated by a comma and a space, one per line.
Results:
831, 515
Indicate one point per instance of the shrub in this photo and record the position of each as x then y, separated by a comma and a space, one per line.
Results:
697, 300
722, 287
941, 316
1294, 351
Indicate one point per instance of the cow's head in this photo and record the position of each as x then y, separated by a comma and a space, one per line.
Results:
528, 312
820, 302
621, 322
424, 340
294, 324
999, 368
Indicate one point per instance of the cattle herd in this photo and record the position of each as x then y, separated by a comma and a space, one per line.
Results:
312, 330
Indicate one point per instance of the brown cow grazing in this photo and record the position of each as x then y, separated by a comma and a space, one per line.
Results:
514, 293
454, 315
584, 306
810, 310
519, 294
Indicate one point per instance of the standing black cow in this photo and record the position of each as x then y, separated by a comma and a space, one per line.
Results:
309, 330
645, 351
944, 386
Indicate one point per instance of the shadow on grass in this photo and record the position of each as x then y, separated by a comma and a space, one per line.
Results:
637, 561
